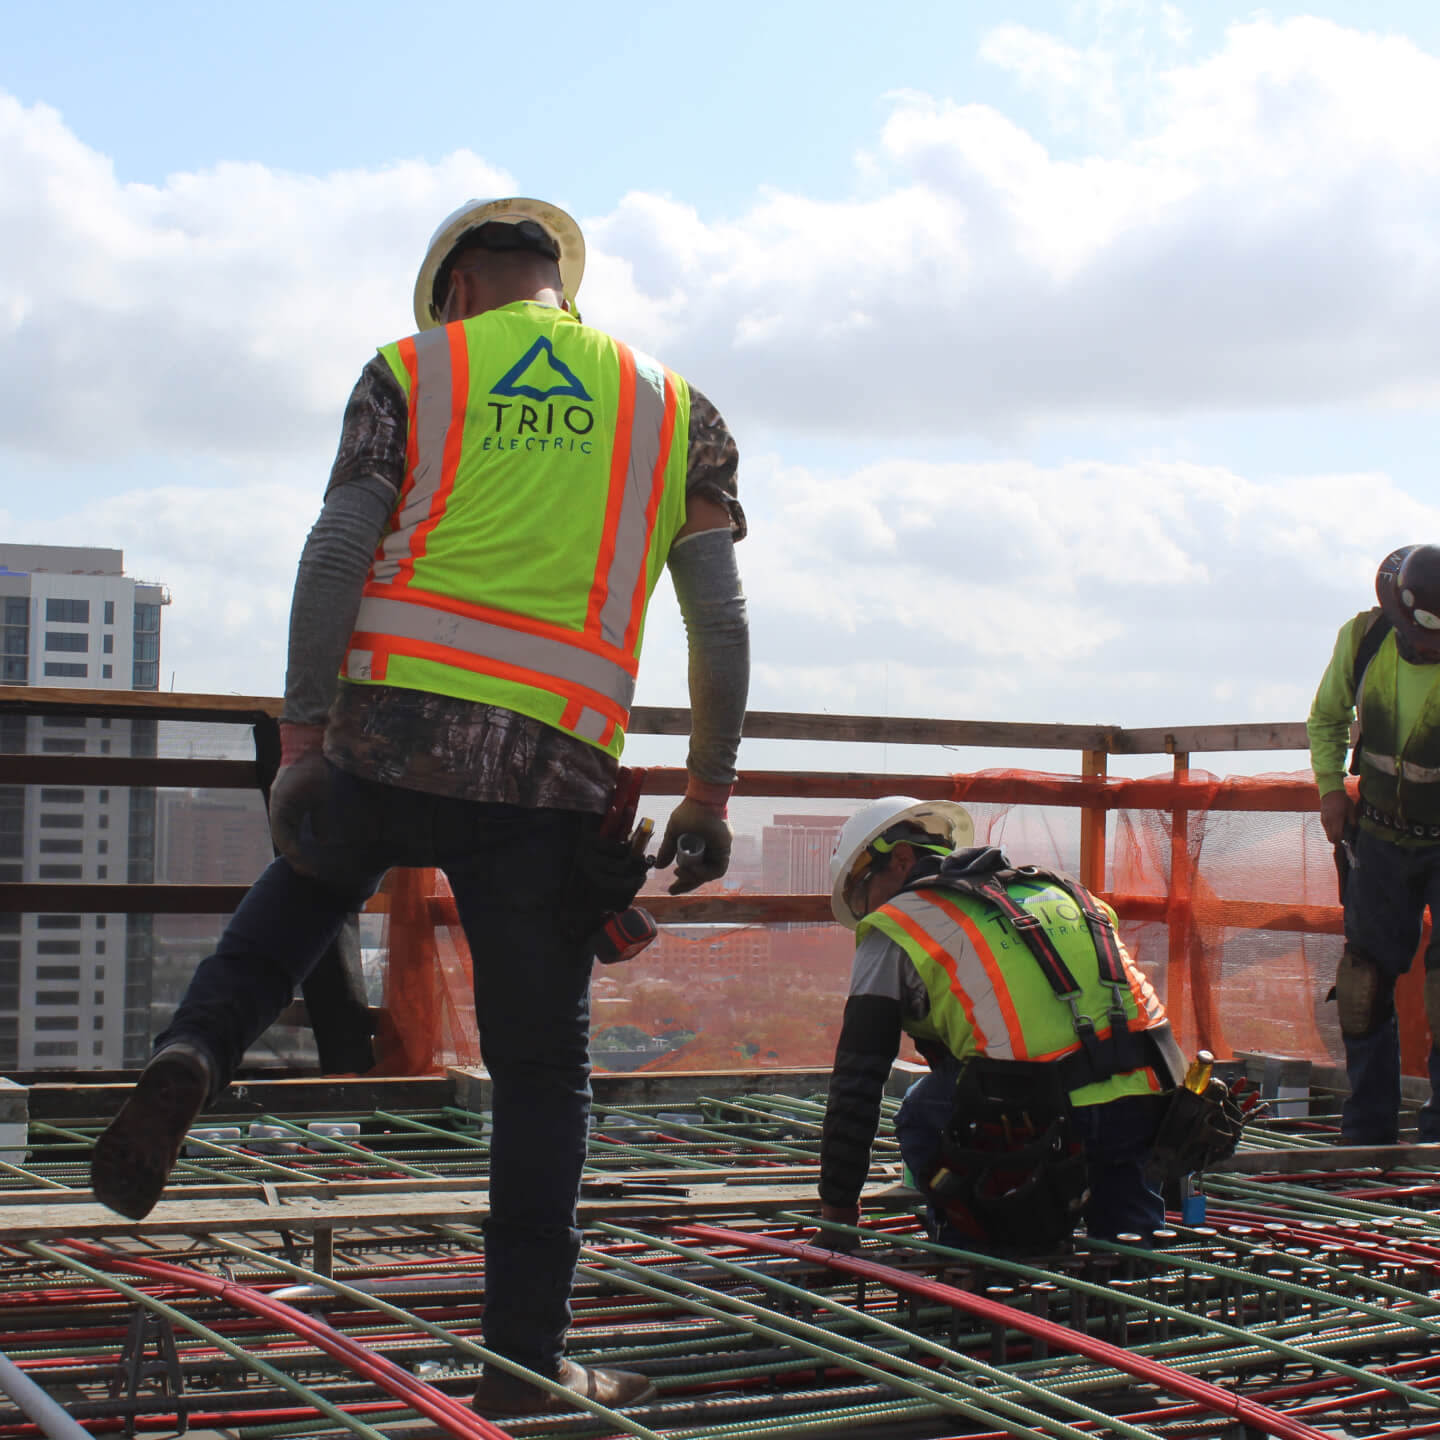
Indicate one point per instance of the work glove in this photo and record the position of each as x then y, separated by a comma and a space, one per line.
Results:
298, 793
702, 822
1337, 814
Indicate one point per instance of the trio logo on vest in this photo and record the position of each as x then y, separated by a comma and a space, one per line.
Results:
540, 375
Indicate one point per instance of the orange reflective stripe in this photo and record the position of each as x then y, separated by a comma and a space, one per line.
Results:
652, 509
945, 960
450, 457
619, 473
986, 956
542, 629
386, 645
570, 716
408, 359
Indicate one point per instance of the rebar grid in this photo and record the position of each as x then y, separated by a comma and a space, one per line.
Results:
1303, 1295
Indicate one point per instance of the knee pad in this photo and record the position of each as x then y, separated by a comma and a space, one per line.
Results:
1432, 1004
1364, 996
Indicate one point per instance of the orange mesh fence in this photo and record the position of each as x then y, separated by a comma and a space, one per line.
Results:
1225, 889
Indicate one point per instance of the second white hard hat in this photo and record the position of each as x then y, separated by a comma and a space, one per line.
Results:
948, 822
561, 228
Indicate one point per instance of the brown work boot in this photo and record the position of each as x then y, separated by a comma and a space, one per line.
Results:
133, 1158
501, 1395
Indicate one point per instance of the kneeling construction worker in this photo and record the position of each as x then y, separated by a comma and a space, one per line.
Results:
1050, 1055
1385, 671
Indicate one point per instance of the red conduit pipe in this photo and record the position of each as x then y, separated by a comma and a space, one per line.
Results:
1164, 1377
447, 1412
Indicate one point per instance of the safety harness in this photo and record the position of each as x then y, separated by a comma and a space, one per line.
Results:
984, 876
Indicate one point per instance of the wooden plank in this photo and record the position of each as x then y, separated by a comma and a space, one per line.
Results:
119, 770
743, 1195
668, 1087
1170, 739
1331, 1157
138, 704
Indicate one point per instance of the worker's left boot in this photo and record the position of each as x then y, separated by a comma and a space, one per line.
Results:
501, 1395
134, 1157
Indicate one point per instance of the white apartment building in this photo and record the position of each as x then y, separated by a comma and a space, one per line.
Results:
75, 989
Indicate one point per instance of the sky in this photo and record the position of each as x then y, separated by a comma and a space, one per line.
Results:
1084, 358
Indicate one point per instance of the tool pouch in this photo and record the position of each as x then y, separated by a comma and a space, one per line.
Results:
1012, 1173
1196, 1131
607, 877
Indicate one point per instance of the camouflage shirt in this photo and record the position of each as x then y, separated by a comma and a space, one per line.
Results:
447, 746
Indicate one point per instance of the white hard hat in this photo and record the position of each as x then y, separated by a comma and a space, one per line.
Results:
560, 227
948, 822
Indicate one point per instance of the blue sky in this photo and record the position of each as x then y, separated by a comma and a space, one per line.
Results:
1105, 327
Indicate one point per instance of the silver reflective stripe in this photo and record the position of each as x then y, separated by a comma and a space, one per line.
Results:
1422, 774
592, 725
358, 664
969, 972
628, 563
411, 619
432, 423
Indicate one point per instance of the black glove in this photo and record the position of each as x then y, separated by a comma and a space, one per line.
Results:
705, 823
297, 799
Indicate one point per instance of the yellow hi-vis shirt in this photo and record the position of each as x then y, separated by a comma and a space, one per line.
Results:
544, 485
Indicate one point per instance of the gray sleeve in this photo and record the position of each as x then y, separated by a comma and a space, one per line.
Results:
882, 968
707, 585
332, 572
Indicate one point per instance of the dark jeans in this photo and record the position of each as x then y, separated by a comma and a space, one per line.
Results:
510, 870
1386, 894
1116, 1136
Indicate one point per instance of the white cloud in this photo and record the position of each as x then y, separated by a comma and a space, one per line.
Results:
1261, 232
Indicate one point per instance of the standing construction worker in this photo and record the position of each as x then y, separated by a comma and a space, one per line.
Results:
1049, 1053
1386, 672
509, 485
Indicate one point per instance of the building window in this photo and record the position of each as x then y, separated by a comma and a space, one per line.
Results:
53, 795
100, 922
67, 612
109, 612
102, 822
144, 675
57, 1022
102, 872
57, 997
14, 670
63, 722
147, 647
56, 1049
107, 645
107, 672
57, 922
57, 947
10, 872
100, 969
98, 998
66, 672
147, 619
99, 950
61, 872
62, 847
57, 972
61, 820
102, 847
75, 641
16, 640
61, 744
17, 610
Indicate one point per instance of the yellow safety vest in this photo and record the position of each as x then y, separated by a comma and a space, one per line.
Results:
544, 485
988, 995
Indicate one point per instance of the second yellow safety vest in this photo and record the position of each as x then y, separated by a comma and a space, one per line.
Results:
988, 995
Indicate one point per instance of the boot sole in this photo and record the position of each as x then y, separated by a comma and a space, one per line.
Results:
133, 1158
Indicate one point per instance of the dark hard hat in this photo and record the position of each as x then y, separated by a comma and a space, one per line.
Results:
1408, 588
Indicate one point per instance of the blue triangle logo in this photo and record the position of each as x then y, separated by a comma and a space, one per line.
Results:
539, 364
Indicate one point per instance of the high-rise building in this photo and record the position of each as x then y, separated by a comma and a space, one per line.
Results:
75, 989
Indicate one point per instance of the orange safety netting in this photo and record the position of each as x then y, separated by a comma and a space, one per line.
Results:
1226, 893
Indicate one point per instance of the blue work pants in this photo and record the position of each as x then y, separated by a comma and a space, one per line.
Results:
1386, 895
510, 869
1116, 1135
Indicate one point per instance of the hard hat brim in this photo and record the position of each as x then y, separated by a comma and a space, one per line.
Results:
557, 224
962, 833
